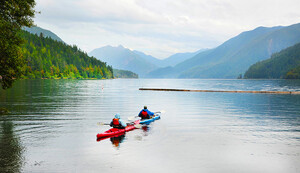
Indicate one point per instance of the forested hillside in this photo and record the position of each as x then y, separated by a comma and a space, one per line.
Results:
47, 58
285, 64
124, 74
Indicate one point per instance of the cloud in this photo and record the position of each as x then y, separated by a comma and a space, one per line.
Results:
163, 27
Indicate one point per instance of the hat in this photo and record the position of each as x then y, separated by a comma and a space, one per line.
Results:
145, 107
117, 116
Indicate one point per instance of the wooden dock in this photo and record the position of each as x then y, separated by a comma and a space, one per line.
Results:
187, 90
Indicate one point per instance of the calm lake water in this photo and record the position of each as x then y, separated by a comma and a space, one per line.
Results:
53, 127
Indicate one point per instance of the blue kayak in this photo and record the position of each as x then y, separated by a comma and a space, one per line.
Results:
148, 121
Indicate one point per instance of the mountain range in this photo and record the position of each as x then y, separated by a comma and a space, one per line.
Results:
123, 58
136, 61
169, 61
234, 56
228, 60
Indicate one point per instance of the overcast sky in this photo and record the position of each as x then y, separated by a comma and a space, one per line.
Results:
160, 27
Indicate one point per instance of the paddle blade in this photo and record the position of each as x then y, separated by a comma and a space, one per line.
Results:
138, 126
162, 111
102, 123
131, 118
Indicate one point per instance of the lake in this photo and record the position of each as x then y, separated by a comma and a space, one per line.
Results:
53, 126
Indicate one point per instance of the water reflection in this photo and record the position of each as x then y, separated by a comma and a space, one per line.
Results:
146, 129
117, 140
278, 109
11, 150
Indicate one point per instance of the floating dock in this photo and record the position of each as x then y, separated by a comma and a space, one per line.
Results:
188, 90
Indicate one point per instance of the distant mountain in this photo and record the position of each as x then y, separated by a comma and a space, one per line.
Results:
46, 33
278, 66
123, 58
234, 56
173, 72
164, 72
149, 58
136, 61
171, 60
180, 57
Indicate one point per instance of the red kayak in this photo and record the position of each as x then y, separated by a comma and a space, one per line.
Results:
115, 131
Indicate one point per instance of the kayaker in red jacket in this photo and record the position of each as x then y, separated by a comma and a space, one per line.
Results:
145, 113
117, 122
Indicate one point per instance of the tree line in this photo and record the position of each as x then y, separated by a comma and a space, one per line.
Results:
124, 74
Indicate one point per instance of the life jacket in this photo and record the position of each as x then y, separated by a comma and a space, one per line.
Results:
116, 123
145, 115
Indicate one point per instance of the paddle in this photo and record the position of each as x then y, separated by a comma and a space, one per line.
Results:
132, 118
162, 111
101, 123
138, 126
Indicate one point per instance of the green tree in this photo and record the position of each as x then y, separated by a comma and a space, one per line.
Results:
14, 14
293, 74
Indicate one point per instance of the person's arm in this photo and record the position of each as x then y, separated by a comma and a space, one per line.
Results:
150, 113
122, 123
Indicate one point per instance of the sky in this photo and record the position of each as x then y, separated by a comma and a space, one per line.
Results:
160, 27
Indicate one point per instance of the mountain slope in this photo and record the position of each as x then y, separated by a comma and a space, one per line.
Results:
149, 58
46, 33
171, 60
277, 66
180, 57
123, 58
173, 72
136, 61
234, 56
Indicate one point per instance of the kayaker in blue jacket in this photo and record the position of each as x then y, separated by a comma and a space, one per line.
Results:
117, 122
145, 113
